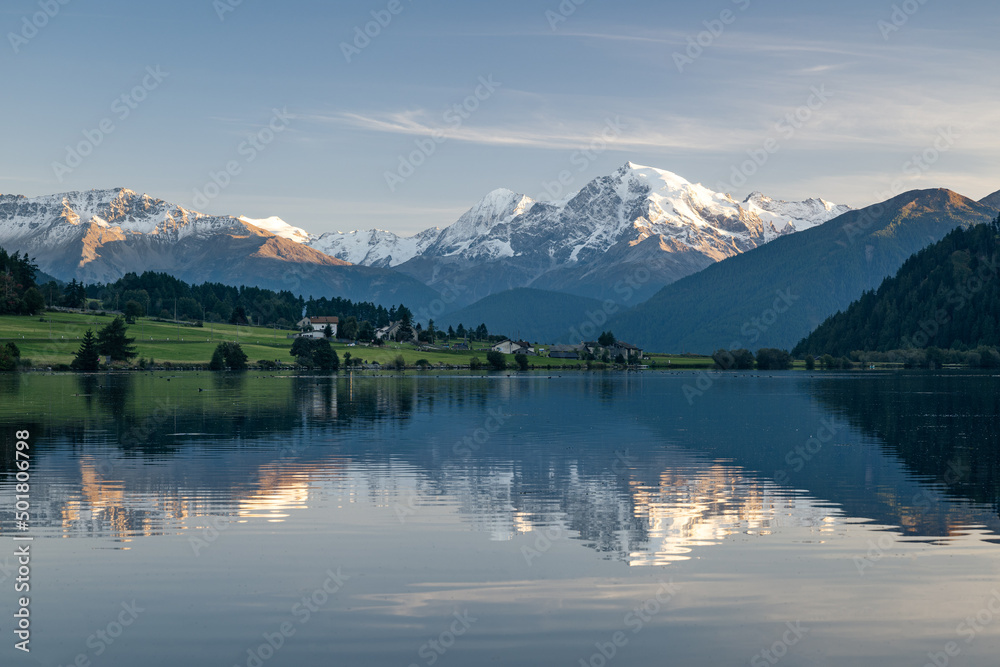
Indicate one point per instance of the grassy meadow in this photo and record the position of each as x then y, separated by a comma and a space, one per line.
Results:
55, 340
53, 337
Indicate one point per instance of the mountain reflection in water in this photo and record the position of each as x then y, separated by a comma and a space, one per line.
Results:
622, 463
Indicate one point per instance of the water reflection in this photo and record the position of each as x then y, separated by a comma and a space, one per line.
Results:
622, 465
683, 512
944, 427
10, 384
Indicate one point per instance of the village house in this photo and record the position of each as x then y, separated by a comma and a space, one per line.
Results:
507, 347
392, 331
388, 332
526, 347
631, 353
565, 351
315, 327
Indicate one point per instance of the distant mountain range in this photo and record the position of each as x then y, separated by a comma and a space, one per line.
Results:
697, 269
775, 295
638, 219
100, 235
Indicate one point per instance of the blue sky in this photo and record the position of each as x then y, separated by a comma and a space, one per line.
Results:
698, 88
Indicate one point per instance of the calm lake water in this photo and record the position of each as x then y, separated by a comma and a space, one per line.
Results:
619, 519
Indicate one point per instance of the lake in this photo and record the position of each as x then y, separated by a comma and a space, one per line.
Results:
648, 518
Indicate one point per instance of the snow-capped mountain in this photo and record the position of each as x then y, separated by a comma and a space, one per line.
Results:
279, 227
628, 233
100, 235
797, 216
375, 247
637, 220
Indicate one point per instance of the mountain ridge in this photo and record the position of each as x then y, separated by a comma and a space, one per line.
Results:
101, 235
636, 220
993, 200
636, 217
775, 295
944, 296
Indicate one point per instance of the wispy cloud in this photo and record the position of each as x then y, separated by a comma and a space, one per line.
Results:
905, 117
686, 133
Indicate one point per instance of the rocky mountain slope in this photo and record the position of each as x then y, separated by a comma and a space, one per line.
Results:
100, 235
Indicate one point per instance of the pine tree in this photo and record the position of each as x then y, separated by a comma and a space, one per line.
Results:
88, 357
238, 316
113, 342
33, 301
405, 333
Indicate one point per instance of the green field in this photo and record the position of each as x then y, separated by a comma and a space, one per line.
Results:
55, 340
52, 339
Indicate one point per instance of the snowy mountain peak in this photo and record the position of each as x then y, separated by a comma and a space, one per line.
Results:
585, 244
661, 185
496, 207
797, 216
655, 176
54, 220
374, 247
385, 249
279, 227
610, 214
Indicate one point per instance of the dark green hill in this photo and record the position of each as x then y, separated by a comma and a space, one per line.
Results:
946, 295
531, 314
773, 296
993, 201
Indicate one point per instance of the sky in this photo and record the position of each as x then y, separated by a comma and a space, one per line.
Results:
402, 114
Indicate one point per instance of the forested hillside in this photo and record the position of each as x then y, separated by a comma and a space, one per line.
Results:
775, 295
946, 296
162, 295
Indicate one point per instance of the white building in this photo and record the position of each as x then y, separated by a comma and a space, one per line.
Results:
315, 327
507, 347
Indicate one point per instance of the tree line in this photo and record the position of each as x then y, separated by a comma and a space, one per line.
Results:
767, 359
160, 295
19, 295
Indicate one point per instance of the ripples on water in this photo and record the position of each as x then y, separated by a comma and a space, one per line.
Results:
569, 476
